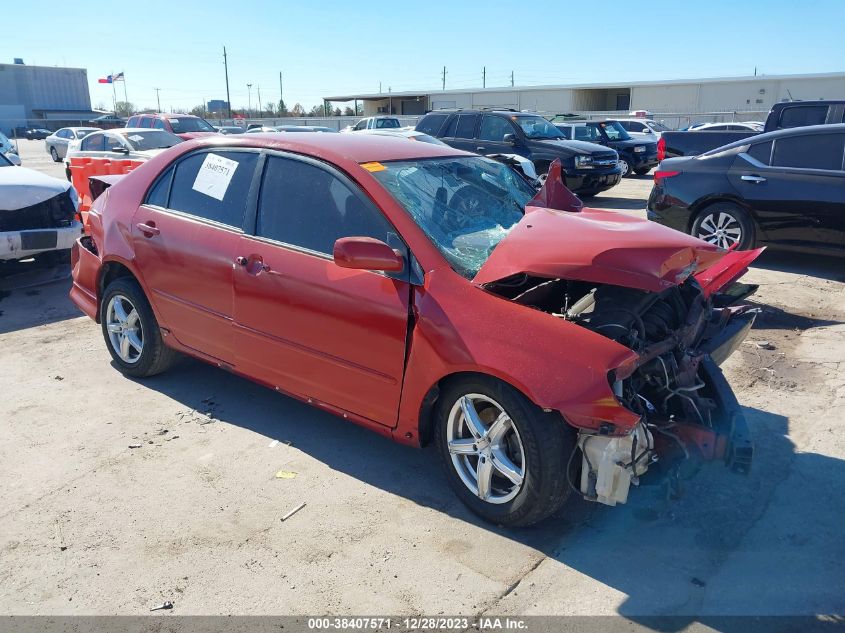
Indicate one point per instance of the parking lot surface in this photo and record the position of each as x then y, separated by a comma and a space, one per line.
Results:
89, 525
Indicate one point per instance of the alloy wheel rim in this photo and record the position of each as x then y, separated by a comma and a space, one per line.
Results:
485, 448
625, 167
720, 228
123, 324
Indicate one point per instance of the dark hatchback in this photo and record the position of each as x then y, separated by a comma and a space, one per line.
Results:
588, 168
635, 155
784, 188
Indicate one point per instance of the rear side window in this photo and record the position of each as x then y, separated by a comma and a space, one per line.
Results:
161, 189
94, 143
307, 206
566, 131
432, 123
800, 116
761, 152
449, 132
159, 124
466, 125
813, 151
214, 186
146, 122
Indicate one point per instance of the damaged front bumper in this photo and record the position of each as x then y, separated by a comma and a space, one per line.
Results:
27, 243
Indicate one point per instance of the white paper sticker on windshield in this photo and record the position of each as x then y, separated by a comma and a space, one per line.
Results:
136, 138
214, 176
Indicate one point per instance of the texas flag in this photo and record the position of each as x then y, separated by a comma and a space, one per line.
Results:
111, 79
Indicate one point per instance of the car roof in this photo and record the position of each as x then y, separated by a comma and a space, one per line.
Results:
792, 131
336, 148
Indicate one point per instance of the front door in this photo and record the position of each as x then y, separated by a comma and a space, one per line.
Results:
186, 236
305, 325
491, 136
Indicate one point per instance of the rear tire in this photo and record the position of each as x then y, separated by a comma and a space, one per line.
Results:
642, 171
131, 331
724, 224
534, 448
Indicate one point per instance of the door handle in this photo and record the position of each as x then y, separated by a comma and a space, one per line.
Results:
241, 261
148, 229
480, 148
253, 266
755, 179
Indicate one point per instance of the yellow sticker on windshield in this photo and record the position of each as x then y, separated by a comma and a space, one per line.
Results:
373, 166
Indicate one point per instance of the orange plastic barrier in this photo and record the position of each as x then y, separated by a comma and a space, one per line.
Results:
81, 168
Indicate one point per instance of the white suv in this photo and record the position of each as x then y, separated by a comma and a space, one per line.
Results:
375, 123
643, 129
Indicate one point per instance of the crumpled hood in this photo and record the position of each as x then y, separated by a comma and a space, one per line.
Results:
21, 187
598, 246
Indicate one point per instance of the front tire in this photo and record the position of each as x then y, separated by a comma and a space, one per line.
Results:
725, 224
131, 331
55, 155
503, 456
626, 167
642, 171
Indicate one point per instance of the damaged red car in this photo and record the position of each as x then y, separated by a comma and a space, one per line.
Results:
433, 296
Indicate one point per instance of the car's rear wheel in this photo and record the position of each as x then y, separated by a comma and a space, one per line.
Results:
642, 171
131, 331
504, 457
726, 225
55, 155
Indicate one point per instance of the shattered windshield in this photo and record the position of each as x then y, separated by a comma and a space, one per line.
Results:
466, 206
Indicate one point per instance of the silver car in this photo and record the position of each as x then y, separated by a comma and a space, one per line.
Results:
122, 143
57, 143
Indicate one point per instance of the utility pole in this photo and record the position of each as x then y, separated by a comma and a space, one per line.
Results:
260, 112
444, 78
249, 100
511, 79
379, 87
158, 100
228, 99
281, 94
484, 77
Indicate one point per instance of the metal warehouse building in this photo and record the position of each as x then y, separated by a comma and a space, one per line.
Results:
728, 94
32, 93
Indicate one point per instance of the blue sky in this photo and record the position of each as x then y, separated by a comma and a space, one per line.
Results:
330, 48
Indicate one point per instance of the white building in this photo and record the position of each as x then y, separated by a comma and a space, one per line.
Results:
727, 94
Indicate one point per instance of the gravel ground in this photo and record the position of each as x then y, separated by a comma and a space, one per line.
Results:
89, 525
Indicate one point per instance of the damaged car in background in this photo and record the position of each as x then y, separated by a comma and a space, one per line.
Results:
37, 214
433, 296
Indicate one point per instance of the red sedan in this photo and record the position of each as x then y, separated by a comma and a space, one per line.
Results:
430, 295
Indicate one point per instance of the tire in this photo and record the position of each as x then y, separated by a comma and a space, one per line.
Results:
642, 171
627, 170
154, 356
536, 445
587, 194
55, 155
719, 223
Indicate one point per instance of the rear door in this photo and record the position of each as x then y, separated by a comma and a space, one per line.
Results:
186, 236
796, 187
305, 325
460, 132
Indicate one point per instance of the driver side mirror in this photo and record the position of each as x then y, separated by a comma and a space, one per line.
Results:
367, 253
119, 150
510, 138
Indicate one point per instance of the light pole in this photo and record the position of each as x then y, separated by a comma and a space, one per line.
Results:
249, 100
158, 100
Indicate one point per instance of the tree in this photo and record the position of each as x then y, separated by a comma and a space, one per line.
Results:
298, 110
283, 109
124, 108
317, 111
336, 112
347, 111
198, 111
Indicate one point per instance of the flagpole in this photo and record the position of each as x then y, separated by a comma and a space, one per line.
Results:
114, 96
123, 79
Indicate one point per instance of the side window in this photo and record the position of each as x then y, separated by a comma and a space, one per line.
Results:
626, 125
158, 194
158, 124
799, 116
466, 125
361, 125
214, 186
132, 122
812, 151
431, 124
761, 152
583, 133
146, 122
93, 143
449, 132
566, 131
307, 206
494, 128
112, 143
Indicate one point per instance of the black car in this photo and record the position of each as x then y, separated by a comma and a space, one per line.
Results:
37, 134
784, 188
588, 168
635, 155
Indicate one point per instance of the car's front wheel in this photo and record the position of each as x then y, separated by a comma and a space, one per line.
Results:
54, 154
626, 167
726, 225
505, 458
131, 331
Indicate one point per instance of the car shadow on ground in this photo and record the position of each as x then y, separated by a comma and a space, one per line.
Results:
665, 554
811, 264
34, 295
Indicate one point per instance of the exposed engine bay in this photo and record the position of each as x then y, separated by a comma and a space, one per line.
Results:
687, 410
